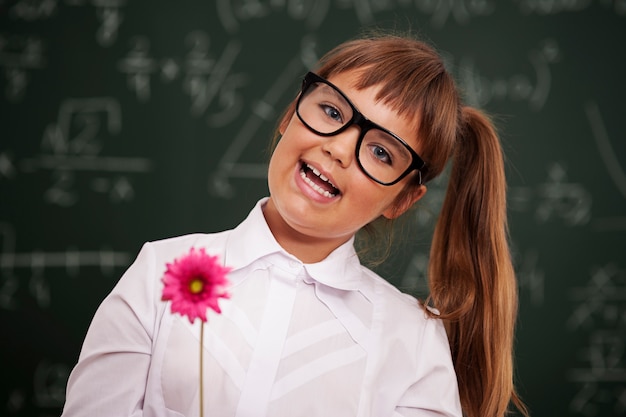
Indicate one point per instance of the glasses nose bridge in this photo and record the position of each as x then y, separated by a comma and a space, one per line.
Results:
343, 145
361, 121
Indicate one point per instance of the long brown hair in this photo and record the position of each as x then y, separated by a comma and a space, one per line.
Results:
471, 277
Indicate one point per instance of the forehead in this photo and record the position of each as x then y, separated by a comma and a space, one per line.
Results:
368, 102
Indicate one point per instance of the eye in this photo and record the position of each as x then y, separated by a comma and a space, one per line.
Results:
380, 154
332, 112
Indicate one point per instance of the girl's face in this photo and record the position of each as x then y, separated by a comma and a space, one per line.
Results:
318, 193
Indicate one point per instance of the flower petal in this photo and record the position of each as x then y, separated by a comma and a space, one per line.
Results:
196, 265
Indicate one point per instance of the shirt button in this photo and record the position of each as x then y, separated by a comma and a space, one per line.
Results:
294, 264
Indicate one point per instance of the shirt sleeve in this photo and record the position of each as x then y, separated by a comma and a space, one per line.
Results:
435, 391
110, 376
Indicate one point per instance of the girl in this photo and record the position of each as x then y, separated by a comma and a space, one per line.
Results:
308, 331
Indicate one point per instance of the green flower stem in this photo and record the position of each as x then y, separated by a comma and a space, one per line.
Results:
201, 368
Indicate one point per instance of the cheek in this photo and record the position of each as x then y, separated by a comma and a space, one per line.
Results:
273, 168
387, 198
371, 196
281, 163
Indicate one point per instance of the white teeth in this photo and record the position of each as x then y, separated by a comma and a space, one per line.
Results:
315, 186
319, 174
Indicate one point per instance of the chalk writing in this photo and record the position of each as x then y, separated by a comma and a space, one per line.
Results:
31, 10
19, 54
7, 167
261, 111
50, 381
530, 276
600, 301
74, 143
609, 157
139, 67
611, 163
460, 11
234, 14
481, 90
599, 310
556, 198
206, 79
109, 13
571, 202
595, 399
37, 262
548, 7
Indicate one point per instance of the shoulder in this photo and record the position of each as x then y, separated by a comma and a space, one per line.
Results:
412, 344
153, 257
390, 295
402, 315
141, 282
179, 245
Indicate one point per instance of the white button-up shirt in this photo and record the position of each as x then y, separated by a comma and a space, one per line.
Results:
324, 339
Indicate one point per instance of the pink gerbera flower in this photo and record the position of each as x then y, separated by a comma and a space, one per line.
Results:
194, 283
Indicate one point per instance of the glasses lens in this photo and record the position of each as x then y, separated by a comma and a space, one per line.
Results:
324, 109
383, 156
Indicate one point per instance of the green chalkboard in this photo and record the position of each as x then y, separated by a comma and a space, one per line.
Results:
128, 121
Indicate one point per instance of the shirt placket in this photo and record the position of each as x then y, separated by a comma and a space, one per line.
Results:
265, 360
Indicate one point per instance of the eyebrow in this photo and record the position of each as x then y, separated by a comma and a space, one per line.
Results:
327, 89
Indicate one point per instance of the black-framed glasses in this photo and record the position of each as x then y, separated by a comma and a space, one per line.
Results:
381, 154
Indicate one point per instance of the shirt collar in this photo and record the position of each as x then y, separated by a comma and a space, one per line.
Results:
341, 269
253, 240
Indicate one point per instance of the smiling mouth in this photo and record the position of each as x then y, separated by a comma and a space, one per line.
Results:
317, 181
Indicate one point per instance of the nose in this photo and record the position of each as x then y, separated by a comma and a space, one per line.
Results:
342, 147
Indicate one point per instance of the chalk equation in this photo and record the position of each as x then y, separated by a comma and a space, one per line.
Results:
19, 56
48, 387
611, 162
549, 7
205, 79
72, 145
26, 269
600, 312
108, 12
312, 13
481, 90
556, 198
31, 10
262, 110
530, 276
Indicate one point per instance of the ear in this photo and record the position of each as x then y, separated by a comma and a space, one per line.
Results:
404, 202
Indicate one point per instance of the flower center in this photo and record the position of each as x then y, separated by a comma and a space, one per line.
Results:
196, 285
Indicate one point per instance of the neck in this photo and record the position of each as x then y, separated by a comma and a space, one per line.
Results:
307, 248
